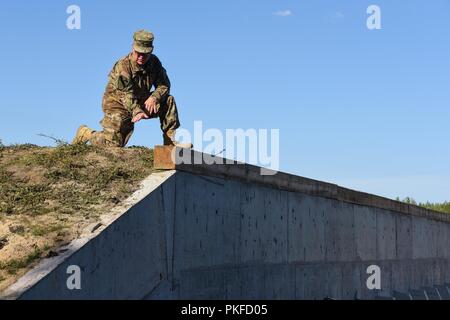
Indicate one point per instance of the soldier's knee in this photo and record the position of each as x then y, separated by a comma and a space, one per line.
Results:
107, 143
98, 139
108, 139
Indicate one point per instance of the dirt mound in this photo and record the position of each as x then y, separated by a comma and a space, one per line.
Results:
49, 195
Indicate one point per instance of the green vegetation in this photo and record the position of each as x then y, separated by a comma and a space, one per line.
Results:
48, 195
13, 265
71, 178
441, 207
40, 231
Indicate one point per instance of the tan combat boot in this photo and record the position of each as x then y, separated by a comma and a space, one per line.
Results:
83, 135
169, 140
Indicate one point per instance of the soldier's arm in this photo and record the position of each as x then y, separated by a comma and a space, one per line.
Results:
122, 81
161, 83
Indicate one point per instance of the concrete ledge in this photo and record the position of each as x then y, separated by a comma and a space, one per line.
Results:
204, 164
190, 236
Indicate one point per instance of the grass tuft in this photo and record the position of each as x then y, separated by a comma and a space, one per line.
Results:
14, 265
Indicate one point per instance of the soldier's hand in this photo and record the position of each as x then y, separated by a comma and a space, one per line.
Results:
139, 117
150, 105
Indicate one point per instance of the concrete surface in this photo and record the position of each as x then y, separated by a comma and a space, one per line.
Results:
224, 233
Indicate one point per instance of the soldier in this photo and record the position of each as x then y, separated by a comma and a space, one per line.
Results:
128, 98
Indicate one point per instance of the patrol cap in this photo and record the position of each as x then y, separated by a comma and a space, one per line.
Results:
143, 41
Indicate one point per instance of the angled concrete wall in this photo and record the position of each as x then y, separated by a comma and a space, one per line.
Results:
123, 259
197, 235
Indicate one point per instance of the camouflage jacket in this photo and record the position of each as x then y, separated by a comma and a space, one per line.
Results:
129, 84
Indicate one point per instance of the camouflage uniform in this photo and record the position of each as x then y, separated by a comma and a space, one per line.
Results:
128, 88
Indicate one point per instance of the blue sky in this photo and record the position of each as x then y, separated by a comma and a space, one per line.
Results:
366, 109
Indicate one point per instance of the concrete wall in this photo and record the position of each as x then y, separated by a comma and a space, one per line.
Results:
124, 259
204, 237
236, 240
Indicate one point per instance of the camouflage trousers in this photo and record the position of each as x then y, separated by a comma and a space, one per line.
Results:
118, 127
